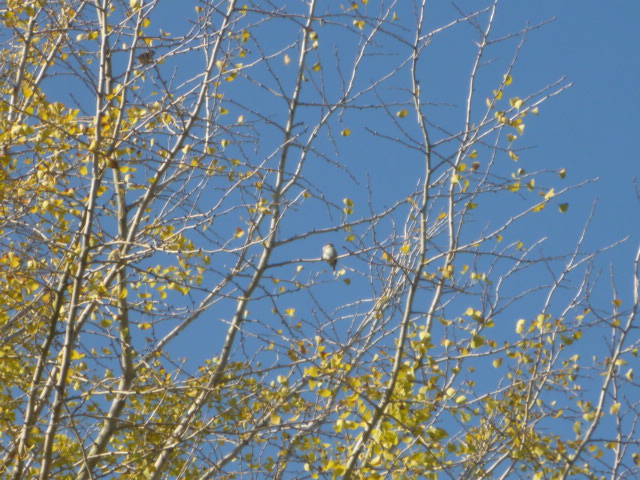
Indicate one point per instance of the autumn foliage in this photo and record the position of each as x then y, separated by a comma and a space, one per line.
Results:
169, 173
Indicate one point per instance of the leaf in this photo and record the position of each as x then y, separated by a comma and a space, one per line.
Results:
75, 355
563, 207
359, 23
537, 208
508, 79
477, 341
516, 102
346, 132
291, 312
402, 113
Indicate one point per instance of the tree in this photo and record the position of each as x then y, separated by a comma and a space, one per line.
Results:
169, 179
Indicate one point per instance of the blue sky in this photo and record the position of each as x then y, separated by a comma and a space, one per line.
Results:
589, 129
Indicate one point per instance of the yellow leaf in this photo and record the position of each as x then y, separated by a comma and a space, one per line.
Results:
402, 113
550, 194
291, 312
239, 233
359, 23
520, 324
563, 207
513, 156
348, 202
287, 59
615, 408
144, 326
516, 102
617, 302
75, 355
405, 248
477, 341
317, 67
563, 173
508, 79
346, 132
539, 207
473, 154
520, 128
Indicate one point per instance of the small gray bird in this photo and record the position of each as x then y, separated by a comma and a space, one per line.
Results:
146, 58
330, 255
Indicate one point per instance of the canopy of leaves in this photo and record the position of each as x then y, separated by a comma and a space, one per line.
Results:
169, 173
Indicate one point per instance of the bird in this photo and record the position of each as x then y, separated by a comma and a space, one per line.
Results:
146, 58
330, 255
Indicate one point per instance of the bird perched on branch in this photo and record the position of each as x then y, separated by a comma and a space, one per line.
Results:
146, 58
330, 255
